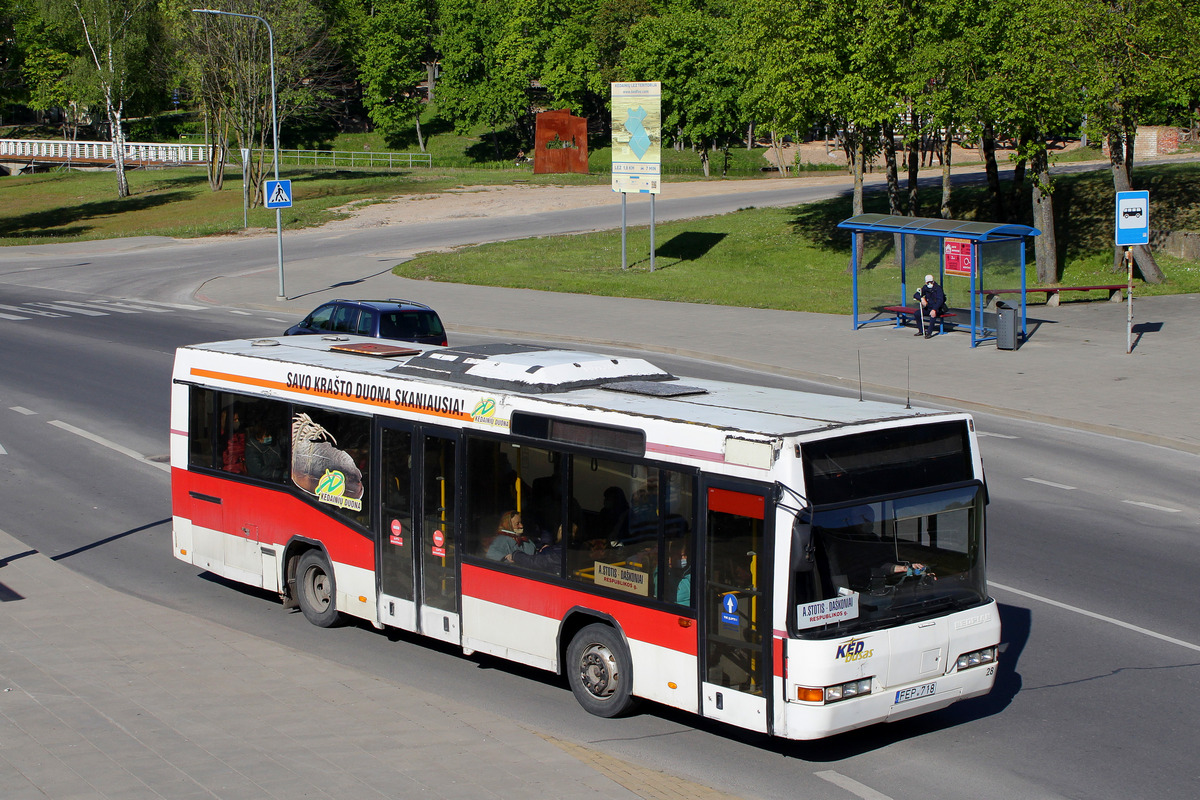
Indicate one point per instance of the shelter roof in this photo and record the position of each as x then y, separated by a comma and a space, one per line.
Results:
942, 228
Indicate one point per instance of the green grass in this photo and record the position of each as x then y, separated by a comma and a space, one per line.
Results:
796, 258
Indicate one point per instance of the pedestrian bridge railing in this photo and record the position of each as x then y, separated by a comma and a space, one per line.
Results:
62, 151
51, 151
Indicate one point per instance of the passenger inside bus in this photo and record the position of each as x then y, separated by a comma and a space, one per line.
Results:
233, 457
264, 454
548, 556
510, 537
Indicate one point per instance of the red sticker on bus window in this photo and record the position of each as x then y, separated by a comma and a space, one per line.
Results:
439, 538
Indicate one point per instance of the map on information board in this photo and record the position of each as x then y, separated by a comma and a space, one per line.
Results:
636, 137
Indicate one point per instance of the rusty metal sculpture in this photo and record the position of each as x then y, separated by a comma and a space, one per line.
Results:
560, 143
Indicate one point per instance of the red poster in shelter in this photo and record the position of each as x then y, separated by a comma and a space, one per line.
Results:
957, 253
560, 143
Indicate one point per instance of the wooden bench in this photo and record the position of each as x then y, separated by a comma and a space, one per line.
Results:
1052, 292
904, 313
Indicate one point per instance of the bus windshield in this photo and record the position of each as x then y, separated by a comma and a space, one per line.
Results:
889, 560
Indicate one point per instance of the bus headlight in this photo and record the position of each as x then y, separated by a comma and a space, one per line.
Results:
973, 659
832, 694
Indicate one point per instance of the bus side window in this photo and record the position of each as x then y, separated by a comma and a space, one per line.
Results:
201, 427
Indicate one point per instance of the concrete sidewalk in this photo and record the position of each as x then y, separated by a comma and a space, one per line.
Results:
1073, 370
103, 695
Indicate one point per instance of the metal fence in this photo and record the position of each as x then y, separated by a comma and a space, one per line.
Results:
67, 152
61, 151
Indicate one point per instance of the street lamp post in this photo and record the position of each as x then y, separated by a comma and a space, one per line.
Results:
274, 129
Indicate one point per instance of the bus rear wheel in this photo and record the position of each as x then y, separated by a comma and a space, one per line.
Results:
315, 589
600, 671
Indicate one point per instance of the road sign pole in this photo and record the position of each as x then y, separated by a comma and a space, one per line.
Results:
1129, 300
279, 251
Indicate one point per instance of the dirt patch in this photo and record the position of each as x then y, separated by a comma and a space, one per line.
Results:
521, 199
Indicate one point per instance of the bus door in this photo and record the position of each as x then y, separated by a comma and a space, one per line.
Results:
398, 537
735, 606
438, 552
418, 570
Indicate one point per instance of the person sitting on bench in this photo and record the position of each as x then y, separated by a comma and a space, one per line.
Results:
933, 305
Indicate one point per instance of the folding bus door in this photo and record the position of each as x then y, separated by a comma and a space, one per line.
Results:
418, 560
735, 606
398, 537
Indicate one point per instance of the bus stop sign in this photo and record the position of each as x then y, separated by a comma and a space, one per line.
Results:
1133, 218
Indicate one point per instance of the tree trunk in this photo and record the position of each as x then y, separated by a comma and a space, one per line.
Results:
420, 136
893, 184
987, 143
914, 169
704, 159
430, 77
1045, 245
1120, 158
859, 154
750, 136
947, 149
118, 141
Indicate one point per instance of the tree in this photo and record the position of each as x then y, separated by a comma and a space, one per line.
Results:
115, 43
1137, 54
390, 44
230, 73
690, 53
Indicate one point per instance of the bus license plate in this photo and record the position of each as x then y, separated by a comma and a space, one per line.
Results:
915, 692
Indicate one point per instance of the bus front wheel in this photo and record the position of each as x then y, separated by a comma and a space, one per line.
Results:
315, 589
600, 672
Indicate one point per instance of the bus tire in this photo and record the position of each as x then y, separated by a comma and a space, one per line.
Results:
316, 592
600, 671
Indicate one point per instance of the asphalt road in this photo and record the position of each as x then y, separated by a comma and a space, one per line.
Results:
1091, 547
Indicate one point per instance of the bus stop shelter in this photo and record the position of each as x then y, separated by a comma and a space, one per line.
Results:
964, 252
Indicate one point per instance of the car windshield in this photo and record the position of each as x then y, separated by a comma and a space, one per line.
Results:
888, 560
409, 324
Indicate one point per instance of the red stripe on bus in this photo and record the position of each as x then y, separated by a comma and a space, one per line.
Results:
685, 452
727, 501
661, 628
777, 648
264, 515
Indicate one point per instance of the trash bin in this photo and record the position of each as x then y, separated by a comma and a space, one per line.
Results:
1006, 327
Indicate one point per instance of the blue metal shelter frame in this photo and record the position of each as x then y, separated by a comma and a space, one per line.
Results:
976, 232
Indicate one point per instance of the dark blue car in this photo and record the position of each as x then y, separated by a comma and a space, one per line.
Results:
403, 320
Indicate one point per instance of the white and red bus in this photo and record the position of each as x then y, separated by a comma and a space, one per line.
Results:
791, 563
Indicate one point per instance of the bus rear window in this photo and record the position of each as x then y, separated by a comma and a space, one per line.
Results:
888, 461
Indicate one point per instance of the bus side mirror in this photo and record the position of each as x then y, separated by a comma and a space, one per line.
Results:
802, 548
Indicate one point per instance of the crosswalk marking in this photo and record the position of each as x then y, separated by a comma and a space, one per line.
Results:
112, 308
34, 311
62, 309
56, 307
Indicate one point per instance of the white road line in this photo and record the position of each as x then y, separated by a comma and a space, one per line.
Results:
243, 313
3, 452
110, 309
13, 317
176, 306
68, 309
1048, 483
100, 440
1101, 617
23, 410
851, 785
996, 435
35, 311
1152, 506
272, 319
135, 306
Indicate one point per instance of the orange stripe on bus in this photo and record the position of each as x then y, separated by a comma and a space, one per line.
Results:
283, 387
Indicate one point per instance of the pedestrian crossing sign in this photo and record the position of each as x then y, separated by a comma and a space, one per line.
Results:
278, 194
